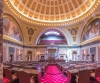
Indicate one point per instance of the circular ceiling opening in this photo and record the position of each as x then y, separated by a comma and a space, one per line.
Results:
51, 11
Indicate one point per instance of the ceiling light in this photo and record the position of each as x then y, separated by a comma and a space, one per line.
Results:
52, 33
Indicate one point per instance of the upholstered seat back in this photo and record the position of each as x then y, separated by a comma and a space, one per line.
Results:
23, 77
8, 74
97, 72
84, 76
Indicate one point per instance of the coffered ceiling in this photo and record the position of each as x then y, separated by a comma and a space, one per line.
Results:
52, 12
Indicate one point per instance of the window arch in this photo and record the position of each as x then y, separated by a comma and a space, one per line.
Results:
52, 37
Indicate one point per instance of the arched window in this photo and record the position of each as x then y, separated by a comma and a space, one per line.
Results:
52, 37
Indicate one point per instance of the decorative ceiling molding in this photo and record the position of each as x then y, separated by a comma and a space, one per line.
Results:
52, 12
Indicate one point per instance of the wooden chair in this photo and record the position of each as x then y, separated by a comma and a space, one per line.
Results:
12, 77
8, 74
83, 76
97, 75
25, 77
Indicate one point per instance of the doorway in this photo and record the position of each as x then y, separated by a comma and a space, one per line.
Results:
74, 56
93, 57
29, 56
11, 57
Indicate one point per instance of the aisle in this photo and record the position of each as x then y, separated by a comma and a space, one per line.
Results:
53, 75
53, 69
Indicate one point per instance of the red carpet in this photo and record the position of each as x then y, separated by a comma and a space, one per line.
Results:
53, 69
53, 75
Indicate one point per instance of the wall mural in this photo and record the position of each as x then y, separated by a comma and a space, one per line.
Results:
92, 30
10, 29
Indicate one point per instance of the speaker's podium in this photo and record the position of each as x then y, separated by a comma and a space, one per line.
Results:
52, 54
52, 60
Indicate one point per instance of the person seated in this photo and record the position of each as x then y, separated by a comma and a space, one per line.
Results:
65, 74
32, 80
73, 79
61, 69
92, 77
42, 72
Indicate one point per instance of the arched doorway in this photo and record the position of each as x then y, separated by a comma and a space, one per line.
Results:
29, 56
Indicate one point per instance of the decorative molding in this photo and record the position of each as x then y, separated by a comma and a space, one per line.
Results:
45, 46
74, 38
30, 37
62, 21
91, 43
31, 31
12, 43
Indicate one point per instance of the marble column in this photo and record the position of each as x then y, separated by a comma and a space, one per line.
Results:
1, 29
1, 44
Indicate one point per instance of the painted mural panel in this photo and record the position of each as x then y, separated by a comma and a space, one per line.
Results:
11, 29
92, 30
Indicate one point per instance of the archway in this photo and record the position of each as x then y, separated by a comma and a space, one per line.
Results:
29, 56
74, 55
52, 36
62, 31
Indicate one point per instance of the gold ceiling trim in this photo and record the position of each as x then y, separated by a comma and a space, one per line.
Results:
12, 39
90, 40
53, 23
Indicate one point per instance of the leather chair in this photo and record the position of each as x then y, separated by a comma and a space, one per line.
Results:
83, 76
97, 75
12, 78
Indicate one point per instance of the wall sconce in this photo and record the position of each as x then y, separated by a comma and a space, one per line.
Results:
38, 53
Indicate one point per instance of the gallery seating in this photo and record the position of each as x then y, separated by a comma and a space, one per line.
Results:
73, 70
